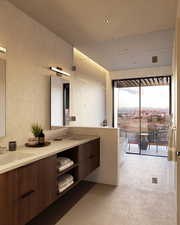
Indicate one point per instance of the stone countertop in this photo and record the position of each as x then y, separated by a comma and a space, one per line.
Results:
26, 155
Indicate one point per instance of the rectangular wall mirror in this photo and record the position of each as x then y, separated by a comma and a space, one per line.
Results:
2, 97
60, 99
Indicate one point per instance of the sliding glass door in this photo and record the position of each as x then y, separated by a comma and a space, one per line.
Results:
155, 116
128, 118
141, 111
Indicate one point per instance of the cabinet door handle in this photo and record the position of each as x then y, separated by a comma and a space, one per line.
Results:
27, 194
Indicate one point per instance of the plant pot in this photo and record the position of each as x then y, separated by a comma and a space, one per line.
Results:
41, 140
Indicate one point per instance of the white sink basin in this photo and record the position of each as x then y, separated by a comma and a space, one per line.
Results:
11, 157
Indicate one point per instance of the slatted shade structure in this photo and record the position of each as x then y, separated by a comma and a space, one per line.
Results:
148, 81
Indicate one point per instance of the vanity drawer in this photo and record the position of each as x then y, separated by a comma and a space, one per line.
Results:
83, 170
86, 167
27, 192
27, 207
89, 150
27, 179
18, 195
89, 158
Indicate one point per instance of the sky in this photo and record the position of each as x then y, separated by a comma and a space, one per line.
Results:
152, 97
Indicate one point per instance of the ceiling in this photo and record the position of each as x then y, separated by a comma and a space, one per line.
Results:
90, 23
132, 52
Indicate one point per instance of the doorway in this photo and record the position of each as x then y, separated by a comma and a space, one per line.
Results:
142, 109
60, 102
66, 95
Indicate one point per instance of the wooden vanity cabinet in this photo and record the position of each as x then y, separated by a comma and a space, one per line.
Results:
37, 185
8, 198
28, 190
89, 158
18, 195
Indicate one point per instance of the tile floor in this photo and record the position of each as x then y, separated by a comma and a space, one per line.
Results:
152, 150
136, 201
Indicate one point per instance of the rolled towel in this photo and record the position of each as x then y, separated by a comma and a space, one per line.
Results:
63, 167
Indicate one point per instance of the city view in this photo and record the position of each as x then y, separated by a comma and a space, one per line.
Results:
144, 126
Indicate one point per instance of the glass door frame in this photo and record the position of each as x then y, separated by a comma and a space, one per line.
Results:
140, 78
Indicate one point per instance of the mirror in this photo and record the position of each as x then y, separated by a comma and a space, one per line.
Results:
60, 99
2, 97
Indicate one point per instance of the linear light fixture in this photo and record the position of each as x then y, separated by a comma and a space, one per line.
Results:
3, 50
59, 70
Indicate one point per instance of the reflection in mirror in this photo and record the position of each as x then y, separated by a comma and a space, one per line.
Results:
60, 94
2, 97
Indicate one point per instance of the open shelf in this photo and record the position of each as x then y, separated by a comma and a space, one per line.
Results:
70, 153
60, 194
66, 170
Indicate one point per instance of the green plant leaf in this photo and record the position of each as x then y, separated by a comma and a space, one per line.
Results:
36, 129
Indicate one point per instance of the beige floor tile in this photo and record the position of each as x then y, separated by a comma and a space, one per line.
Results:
136, 201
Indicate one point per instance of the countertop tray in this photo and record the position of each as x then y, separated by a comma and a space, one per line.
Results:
38, 145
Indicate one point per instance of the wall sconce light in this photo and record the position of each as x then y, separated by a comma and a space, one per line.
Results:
3, 50
58, 71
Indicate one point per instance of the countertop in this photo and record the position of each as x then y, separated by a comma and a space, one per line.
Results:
26, 155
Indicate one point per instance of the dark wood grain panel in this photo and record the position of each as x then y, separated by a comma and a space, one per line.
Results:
8, 198
88, 149
47, 184
27, 178
89, 158
27, 208
27, 192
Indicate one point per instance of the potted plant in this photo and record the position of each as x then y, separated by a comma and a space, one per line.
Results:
38, 133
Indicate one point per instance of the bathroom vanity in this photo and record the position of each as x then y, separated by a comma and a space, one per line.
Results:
29, 186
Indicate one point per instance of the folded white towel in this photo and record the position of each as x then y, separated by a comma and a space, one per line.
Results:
65, 179
65, 184
63, 161
63, 167
61, 189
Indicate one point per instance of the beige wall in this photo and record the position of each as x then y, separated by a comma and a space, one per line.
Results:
109, 108
174, 82
31, 49
177, 82
2, 97
176, 72
88, 90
